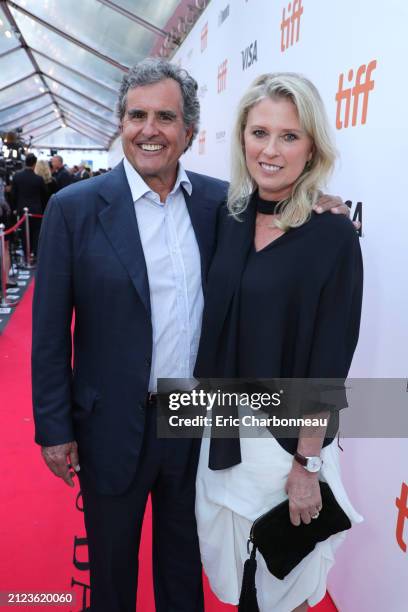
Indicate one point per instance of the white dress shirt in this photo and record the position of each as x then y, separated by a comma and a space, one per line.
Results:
174, 272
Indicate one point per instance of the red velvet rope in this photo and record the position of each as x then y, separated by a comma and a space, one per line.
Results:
16, 226
19, 222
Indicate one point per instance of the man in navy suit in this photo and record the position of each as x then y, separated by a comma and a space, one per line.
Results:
127, 252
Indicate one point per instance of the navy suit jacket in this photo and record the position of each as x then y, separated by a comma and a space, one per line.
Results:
91, 267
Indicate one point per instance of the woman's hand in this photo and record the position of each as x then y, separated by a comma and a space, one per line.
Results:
303, 490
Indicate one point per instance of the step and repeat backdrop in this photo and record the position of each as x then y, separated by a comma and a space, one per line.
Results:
355, 52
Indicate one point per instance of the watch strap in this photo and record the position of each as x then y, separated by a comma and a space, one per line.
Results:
300, 459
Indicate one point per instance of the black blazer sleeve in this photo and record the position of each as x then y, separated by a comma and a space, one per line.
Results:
339, 312
335, 335
52, 331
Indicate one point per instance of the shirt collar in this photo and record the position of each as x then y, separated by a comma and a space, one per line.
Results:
139, 188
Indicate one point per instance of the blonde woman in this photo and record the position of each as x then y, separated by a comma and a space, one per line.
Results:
283, 300
42, 168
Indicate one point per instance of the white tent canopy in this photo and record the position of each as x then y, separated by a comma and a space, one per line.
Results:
61, 63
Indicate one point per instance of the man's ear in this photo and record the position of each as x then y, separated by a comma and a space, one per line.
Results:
189, 135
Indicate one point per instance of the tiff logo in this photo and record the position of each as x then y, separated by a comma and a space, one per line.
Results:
223, 15
249, 55
201, 142
402, 505
290, 23
222, 76
204, 37
362, 86
357, 215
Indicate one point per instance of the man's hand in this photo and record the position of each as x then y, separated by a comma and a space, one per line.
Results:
60, 459
305, 500
335, 204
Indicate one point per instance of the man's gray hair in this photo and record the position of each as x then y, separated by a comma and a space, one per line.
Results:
154, 70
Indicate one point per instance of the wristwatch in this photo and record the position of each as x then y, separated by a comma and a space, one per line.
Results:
311, 464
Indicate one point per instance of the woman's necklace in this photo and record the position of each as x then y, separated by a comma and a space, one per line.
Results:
266, 231
265, 207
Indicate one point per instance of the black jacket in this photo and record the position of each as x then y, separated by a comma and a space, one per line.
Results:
63, 178
51, 188
290, 311
28, 190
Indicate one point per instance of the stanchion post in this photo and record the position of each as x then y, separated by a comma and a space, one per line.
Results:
5, 302
3, 272
27, 239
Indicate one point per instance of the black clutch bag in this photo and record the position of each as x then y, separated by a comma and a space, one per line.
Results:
283, 545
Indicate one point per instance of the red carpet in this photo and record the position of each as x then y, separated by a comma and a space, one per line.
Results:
40, 526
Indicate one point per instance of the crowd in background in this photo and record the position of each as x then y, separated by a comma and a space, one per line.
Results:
31, 188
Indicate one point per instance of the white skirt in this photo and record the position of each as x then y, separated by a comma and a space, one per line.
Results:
227, 503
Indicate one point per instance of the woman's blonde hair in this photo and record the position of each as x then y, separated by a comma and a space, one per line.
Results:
42, 169
295, 210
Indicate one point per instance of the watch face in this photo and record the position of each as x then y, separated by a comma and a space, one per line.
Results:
313, 464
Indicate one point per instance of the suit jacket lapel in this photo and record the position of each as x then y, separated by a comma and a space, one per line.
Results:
118, 220
203, 214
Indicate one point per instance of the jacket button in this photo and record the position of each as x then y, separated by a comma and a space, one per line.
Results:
140, 406
148, 362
